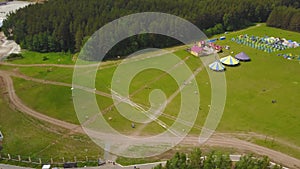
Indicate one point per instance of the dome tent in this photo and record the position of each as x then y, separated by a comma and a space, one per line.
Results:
217, 66
229, 60
242, 57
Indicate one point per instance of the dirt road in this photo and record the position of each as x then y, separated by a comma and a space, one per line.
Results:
14, 99
102, 65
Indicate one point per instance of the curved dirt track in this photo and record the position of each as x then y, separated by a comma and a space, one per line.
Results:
14, 74
14, 99
216, 140
103, 65
36, 65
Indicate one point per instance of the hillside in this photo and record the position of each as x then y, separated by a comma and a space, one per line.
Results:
250, 118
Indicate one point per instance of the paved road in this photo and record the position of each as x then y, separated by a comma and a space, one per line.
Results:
108, 166
11, 7
140, 166
5, 166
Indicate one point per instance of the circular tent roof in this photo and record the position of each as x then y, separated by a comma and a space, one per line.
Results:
229, 60
217, 66
242, 57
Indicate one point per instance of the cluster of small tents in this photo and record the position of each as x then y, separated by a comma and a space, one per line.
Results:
289, 56
203, 48
218, 65
266, 44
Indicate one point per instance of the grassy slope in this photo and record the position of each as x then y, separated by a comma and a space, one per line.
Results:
29, 137
55, 101
253, 85
251, 88
245, 85
62, 108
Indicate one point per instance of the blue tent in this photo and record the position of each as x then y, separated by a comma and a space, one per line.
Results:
211, 40
217, 66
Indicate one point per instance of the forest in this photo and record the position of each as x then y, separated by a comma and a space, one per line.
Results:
285, 18
65, 25
217, 160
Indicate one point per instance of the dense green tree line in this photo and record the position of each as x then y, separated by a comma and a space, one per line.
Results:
215, 160
285, 18
64, 25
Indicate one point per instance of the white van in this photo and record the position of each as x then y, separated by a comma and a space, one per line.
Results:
48, 166
1, 136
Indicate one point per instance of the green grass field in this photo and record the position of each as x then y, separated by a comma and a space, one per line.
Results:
31, 57
63, 110
251, 87
29, 137
55, 101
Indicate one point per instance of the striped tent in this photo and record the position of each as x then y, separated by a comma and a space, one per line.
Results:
217, 66
229, 60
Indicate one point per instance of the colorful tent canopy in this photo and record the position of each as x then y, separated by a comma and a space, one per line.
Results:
229, 60
196, 49
242, 57
217, 66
